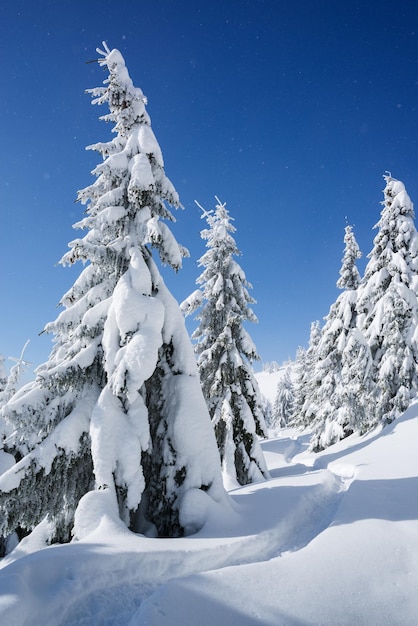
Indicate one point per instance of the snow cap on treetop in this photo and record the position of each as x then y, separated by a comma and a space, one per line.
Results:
116, 65
393, 185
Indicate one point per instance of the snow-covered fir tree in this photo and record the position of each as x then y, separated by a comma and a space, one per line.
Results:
349, 275
298, 385
14, 378
9, 384
116, 421
3, 426
6, 459
284, 401
336, 415
225, 351
270, 367
304, 382
346, 410
368, 353
3, 374
388, 307
3, 382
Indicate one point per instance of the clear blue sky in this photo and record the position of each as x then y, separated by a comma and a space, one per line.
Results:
289, 111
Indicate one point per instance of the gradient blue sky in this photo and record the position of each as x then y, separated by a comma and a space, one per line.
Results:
288, 111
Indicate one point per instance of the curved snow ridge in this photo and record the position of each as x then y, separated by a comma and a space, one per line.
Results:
345, 472
145, 572
81, 576
313, 514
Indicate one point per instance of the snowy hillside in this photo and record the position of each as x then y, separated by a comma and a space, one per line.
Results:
267, 382
330, 539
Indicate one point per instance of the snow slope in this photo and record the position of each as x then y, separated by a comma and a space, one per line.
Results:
268, 381
331, 539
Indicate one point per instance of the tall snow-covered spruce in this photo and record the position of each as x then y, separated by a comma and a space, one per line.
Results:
335, 398
388, 307
225, 352
115, 422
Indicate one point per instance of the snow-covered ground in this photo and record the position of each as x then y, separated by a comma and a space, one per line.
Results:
331, 539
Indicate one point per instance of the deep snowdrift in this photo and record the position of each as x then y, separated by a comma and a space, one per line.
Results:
330, 539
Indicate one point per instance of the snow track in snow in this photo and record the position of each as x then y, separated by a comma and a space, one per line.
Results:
313, 506
90, 584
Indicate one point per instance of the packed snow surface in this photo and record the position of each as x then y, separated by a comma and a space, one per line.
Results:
330, 539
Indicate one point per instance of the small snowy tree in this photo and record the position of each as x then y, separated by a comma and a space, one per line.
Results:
396, 374
349, 274
271, 367
3, 374
283, 402
304, 385
298, 385
333, 419
3, 382
225, 352
347, 412
115, 421
8, 386
12, 380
